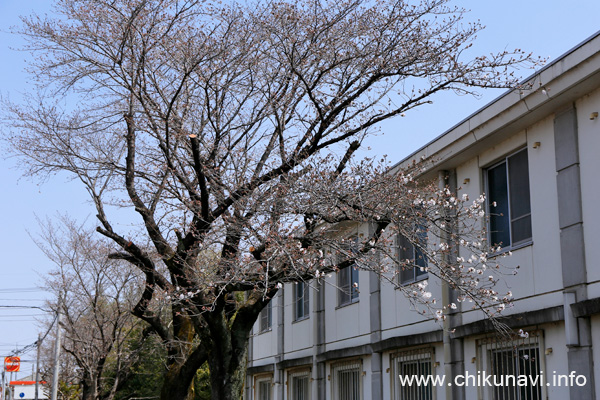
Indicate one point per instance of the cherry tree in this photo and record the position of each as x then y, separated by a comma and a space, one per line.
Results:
230, 130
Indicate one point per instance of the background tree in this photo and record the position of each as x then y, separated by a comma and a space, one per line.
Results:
230, 129
94, 295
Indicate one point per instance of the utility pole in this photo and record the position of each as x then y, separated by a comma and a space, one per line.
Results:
37, 366
56, 351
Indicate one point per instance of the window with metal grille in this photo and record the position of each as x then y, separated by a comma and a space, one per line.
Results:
299, 385
265, 318
413, 363
347, 277
412, 259
301, 301
347, 380
264, 387
509, 206
510, 361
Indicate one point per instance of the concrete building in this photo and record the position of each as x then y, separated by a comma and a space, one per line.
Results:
542, 143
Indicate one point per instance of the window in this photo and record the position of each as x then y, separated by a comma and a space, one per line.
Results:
263, 386
347, 383
408, 364
347, 277
265, 318
299, 385
348, 285
301, 305
509, 207
412, 259
513, 364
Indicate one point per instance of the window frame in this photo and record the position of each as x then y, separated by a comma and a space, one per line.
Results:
347, 279
349, 365
347, 293
421, 356
265, 318
417, 254
301, 293
262, 379
489, 211
531, 341
295, 374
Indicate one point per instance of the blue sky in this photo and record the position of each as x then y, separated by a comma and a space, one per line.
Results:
547, 28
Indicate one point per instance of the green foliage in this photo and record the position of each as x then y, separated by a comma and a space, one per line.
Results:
202, 383
69, 391
146, 374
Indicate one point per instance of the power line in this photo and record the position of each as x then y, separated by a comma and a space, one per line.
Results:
21, 315
5, 299
25, 307
22, 290
19, 320
37, 342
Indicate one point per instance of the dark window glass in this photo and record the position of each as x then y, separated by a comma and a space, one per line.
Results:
520, 206
301, 300
498, 195
266, 316
348, 382
414, 254
516, 362
415, 391
348, 285
264, 390
300, 387
348, 277
509, 201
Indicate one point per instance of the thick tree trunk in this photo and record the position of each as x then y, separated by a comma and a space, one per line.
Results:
176, 386
184, 362
90, 387
89, 393
228, 353
227, 376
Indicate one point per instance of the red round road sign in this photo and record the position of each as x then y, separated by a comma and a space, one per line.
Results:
12, 364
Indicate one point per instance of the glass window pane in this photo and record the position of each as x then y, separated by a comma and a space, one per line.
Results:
407, 274
405, 248
503, 364
265, 318
406, 251
498, 214
354, 282
420, 258
300, 387
305, 299
298, 299
519, 185
521, 229
344, 286
529, 366
264, 390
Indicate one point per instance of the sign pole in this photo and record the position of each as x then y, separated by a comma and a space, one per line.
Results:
10, 391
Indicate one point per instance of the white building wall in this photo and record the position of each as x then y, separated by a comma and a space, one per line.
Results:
595, 322
264, 344
346, 324
589, 156
503, 128
298, 334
